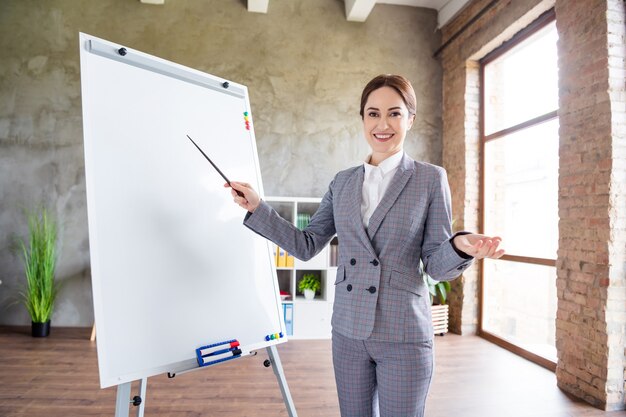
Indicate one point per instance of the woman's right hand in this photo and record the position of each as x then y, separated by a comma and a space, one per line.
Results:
250, 199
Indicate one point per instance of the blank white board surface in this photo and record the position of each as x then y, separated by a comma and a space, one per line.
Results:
173, 268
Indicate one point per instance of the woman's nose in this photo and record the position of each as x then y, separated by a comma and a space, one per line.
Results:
382, 123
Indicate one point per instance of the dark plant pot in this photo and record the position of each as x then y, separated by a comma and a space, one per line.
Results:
40, 329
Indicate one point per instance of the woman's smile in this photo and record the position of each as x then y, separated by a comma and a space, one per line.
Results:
383, 137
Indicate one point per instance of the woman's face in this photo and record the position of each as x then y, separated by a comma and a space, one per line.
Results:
385, 123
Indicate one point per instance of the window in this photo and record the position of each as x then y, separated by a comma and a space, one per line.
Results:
520, 191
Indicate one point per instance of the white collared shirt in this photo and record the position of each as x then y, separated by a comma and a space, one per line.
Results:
375, 183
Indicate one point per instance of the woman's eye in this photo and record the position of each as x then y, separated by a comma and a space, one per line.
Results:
372, 114
396, 114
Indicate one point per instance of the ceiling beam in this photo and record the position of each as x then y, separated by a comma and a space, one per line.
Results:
258, 6
358, 10
450, 10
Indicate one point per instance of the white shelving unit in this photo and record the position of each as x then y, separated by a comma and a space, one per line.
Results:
310, 318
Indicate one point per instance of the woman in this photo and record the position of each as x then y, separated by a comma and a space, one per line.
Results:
388, 214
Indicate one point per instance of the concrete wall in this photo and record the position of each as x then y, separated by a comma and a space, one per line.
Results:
304, 65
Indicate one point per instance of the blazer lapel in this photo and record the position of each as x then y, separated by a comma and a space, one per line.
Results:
356, 190
399, 181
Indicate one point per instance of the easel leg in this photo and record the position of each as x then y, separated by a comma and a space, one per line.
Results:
143, 382
282, 381
122, 404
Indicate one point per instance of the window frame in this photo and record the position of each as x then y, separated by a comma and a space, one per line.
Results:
542, 21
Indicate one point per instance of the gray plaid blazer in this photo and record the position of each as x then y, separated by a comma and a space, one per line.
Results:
379, 290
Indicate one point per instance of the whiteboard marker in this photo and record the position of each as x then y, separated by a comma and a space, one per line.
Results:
214, 347
211, 359
209, 350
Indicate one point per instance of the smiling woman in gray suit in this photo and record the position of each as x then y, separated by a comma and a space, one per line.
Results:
388, 213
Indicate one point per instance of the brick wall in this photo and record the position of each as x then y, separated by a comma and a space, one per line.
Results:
592, 208
591, 263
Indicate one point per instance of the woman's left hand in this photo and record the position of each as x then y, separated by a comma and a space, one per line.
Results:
479, 246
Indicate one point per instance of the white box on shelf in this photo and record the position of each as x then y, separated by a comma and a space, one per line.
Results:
311, 320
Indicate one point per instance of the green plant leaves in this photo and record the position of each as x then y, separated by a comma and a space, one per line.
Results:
309, 282
439, 289
39, 257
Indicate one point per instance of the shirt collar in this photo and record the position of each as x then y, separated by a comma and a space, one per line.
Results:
385, 166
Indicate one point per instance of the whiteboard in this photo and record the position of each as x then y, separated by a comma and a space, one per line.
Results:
173, 268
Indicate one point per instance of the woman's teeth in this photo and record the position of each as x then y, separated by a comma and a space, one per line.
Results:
382, 136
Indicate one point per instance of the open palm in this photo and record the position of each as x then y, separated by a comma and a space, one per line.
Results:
479, 246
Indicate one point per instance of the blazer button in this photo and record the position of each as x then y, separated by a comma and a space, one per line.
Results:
353, 261
349, 287
372, 289
374, 262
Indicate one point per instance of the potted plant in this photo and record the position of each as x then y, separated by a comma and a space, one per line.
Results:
439, 309
309, 285
40, 257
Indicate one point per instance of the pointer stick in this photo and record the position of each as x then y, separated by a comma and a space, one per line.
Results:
239, 193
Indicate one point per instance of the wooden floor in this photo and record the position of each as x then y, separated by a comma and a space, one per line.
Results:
58, 376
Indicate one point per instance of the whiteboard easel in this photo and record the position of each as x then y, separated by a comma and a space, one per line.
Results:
168, 248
